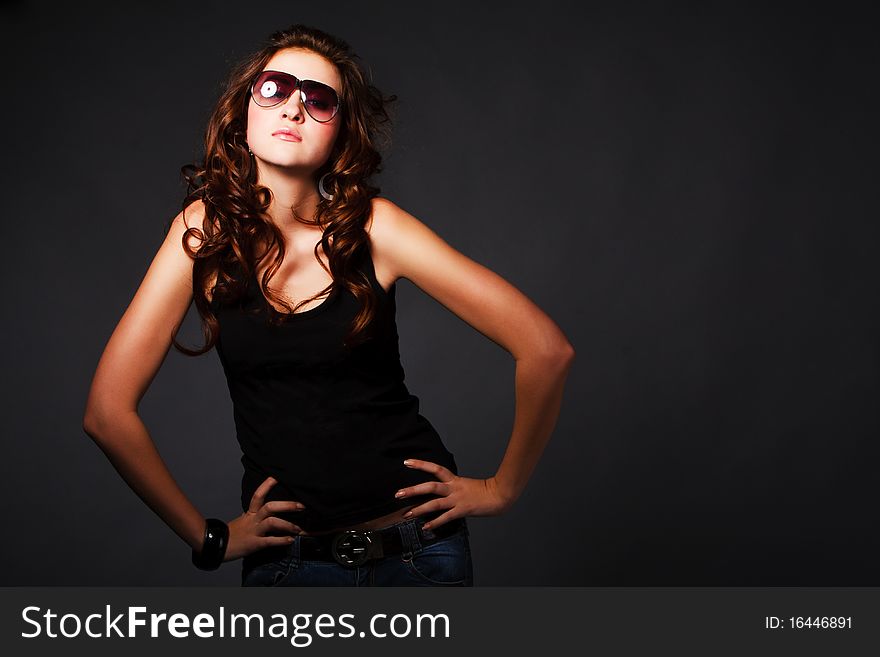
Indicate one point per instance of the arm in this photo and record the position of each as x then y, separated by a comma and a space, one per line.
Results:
130, 361
409, 249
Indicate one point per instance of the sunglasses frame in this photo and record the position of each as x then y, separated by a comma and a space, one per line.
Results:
298, 86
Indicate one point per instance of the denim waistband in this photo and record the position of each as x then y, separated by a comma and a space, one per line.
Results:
411, 534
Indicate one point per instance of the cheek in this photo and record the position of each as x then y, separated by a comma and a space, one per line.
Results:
332, 137
255, 122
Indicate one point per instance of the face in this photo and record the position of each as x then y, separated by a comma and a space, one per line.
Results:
317, 139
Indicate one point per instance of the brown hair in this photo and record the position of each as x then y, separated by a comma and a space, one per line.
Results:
235, 226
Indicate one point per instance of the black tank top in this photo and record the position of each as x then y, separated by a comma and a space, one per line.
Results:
332, 425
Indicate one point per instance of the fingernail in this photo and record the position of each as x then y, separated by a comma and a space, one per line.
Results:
407, 462
399, 493
407, 514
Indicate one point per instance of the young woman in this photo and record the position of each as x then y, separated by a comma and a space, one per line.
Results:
291, 259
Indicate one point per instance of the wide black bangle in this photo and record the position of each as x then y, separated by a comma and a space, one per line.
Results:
214, 546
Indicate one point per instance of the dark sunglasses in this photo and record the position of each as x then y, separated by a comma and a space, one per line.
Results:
274, 87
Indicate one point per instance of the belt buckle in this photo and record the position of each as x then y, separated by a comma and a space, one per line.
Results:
352, 547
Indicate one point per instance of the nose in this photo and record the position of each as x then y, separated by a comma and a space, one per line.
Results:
292, 108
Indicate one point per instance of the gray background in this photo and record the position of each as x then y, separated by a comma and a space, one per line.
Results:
693, 212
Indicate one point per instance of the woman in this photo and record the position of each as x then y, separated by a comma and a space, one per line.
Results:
345, 483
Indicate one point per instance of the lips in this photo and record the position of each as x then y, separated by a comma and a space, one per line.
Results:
286, 135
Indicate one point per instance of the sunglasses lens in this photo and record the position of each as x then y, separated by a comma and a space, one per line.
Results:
271, 88
321, 100
274, 87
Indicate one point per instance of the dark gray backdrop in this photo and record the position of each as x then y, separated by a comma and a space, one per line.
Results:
685, 190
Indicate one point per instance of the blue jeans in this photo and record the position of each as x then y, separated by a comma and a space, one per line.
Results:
446, 562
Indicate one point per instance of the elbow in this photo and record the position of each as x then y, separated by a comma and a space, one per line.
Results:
555, 347
564, 356
553, 350
566, 353
558, 349
98, 421
91, 424
95, 409
558, 354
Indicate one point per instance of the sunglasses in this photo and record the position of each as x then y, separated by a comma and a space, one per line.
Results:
272, 88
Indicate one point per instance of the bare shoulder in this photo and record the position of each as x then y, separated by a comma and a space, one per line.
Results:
396, 237
190, 222
191, 217
405, 247
401, 240
381, 227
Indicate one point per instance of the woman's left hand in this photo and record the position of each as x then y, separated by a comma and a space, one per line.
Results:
460, 496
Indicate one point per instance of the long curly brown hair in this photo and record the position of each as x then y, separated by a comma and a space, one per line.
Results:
236, 234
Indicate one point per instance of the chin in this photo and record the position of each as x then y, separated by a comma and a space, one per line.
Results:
287, 163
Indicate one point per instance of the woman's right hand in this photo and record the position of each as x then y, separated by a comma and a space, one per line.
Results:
248, 532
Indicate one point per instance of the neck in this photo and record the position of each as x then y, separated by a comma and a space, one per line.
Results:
290, 192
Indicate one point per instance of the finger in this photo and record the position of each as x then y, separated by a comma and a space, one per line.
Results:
428, 507
260, 494
443, 474
267, 541
425, 488
277, 523
441, 520
279, 506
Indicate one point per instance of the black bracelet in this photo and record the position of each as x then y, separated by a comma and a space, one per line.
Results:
214, 545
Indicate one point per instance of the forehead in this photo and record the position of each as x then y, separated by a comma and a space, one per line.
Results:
305, 64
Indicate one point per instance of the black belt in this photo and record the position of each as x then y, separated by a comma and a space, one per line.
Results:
354, 547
